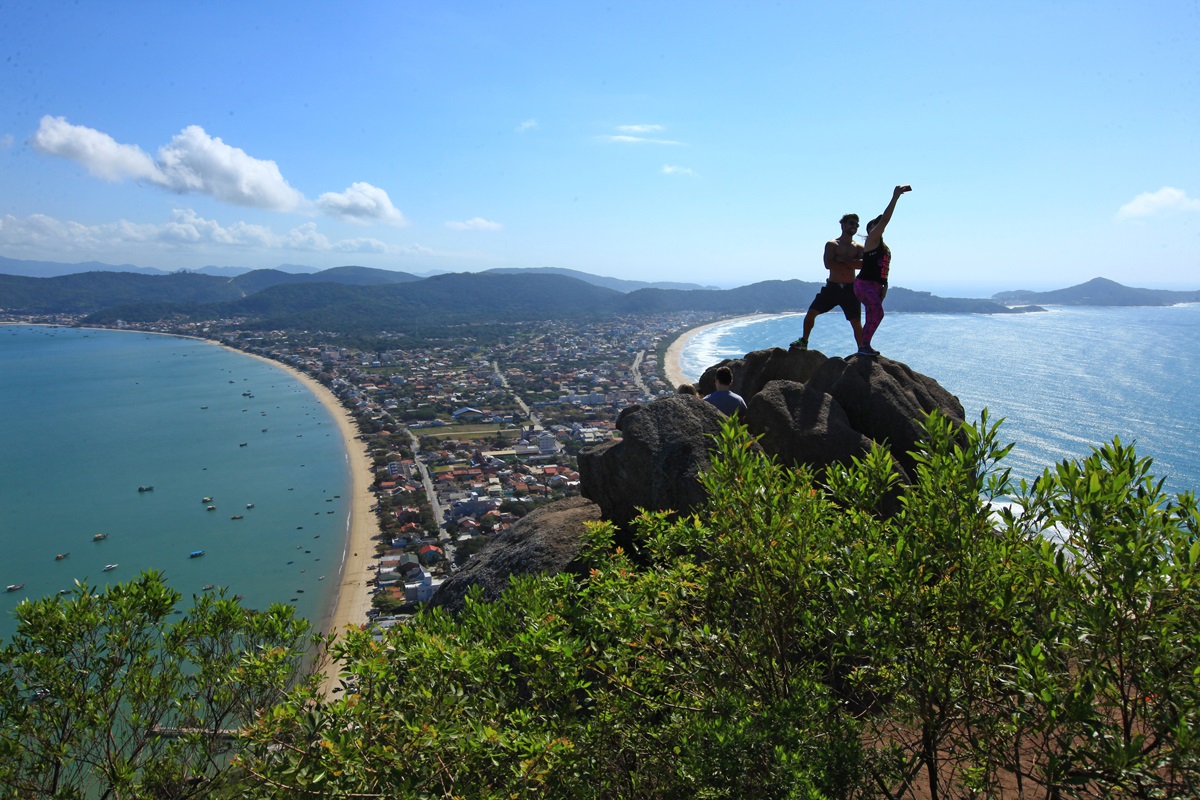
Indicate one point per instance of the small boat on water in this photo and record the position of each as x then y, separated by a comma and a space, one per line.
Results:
195, 554
14, 587
64, 591
242, 444
109, 567
99, 537
249, 505
206, 500
149, 488
208, 587
236, 516
61, 556
212, 508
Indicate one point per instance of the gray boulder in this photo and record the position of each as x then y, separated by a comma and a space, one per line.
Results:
799, 426
547, 540
809, 409
754, 371
656, 463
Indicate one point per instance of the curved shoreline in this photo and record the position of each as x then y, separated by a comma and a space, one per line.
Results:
348, 604
353, 599
672, 368
349, 607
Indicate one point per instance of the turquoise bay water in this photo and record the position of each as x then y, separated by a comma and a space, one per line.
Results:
1065, 380
87, 416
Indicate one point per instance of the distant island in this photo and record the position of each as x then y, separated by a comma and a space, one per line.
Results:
1099, 292
361, 300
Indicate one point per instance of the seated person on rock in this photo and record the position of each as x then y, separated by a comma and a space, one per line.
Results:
726, 401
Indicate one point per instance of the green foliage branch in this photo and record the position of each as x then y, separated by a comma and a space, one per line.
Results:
103, 695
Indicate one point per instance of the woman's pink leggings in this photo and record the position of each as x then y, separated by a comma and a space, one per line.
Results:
870, 294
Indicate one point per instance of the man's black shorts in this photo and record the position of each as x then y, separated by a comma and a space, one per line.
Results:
837, 294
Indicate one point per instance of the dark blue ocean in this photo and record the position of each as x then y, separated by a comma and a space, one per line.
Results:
1064, 380
88, 416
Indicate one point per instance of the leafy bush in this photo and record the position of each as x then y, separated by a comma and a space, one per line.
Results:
100, 695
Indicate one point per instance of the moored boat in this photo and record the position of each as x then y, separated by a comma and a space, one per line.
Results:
195, 554
99, 537
236, 516
13, 587
109, 567
61, 556
147, 488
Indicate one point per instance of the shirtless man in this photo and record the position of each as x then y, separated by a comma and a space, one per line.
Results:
843, 256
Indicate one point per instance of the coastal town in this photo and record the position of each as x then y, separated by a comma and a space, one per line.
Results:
463, 437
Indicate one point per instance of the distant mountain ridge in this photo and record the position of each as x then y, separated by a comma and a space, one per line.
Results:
54, 269
364, 300
359, 299
619, 284
1100, 292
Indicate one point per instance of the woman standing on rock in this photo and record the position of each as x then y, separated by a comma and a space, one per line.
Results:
870, 287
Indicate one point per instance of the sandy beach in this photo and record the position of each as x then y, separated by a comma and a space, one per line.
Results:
671, 366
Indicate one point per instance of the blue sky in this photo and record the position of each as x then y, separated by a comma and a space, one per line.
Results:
710, 142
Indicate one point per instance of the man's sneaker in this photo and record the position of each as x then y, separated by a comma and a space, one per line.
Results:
799, 344
866, 351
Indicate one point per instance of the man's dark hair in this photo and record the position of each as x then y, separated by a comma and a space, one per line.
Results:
724, 375
848, 216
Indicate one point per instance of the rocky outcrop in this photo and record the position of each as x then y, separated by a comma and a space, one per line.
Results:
838, 408
752, 373
799, 426
655, 465
547, 540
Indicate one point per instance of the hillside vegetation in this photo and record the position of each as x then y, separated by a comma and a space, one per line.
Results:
789, 642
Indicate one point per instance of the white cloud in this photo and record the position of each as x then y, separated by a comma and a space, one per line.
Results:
40, 236
362, 204
192, 162
98, 152
637, 139
1166, 199
640, 128
527, 125
475, 224
363, 245
673, 169
195, 162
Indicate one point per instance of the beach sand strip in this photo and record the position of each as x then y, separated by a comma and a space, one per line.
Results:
672, 367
